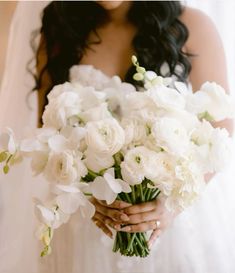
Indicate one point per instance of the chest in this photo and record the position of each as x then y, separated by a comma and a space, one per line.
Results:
110, 50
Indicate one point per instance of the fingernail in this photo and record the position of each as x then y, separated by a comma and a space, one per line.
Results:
127, 228
124, 217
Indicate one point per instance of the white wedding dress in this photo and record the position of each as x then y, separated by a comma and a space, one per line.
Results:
201, 239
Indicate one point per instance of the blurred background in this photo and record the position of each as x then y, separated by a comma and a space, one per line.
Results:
221, 12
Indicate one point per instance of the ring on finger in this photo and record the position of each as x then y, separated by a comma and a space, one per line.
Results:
158, 224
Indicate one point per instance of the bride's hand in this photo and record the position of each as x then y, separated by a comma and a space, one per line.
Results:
109, 215
146, 216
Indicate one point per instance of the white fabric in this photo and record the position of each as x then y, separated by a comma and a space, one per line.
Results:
201, 239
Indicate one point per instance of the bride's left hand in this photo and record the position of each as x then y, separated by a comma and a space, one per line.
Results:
146, 216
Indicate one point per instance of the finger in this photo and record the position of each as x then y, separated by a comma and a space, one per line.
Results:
111, 213
143, 217
143, 207
155, 234
105, 220
103, 227
117, 204
140, 227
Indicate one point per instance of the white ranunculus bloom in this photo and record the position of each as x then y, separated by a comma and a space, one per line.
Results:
139, 162
87, 75
136, 102
171, 136
135, 131
97, 162
105, 136
57, 90
165, 97
107, 187
60, 109
213, 146
7, 141
116, 92
90, 98
215, 101
96, 113
61, 168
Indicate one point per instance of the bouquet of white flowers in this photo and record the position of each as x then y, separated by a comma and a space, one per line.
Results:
112, 142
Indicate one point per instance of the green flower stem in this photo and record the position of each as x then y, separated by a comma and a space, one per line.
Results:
93, 174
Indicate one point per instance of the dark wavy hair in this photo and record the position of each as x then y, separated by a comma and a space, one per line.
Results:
160, 36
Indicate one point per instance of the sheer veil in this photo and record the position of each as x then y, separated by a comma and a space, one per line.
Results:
18, 249
196, 229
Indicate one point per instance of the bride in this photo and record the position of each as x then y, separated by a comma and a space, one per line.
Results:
100, 37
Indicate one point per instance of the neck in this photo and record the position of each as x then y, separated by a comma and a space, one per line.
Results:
118, 15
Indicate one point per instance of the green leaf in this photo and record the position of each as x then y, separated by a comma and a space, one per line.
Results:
6, 169
3, 156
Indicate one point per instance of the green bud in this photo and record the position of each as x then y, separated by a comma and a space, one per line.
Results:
138, 77
205, 115
134, 60
6, 169
3, 156
140, 69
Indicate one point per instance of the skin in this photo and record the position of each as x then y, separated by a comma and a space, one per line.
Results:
208, 65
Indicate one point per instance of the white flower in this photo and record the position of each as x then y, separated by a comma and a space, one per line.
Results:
70, 199
7, 141
57, 90
96, 113
61, 168
60, 109
87, 75
171, 136
135, 131
211, 99
213, 147
167, 98
139, 163
105, 136
107, 187
97, 162
52, 216
116, 92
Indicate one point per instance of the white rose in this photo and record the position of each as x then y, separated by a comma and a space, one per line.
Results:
138, 163
105, 136
61, 168
60, 109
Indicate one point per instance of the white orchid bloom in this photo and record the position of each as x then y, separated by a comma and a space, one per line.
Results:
70, 199
7, 141
108, 187
52, 216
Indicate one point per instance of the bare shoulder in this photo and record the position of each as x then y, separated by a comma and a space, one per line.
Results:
201, 28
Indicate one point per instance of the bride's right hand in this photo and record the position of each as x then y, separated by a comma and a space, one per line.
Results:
105, 215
